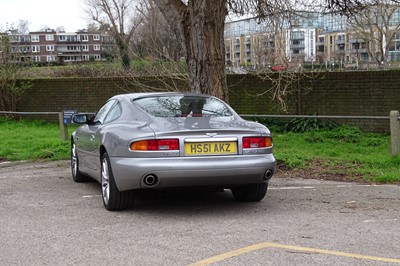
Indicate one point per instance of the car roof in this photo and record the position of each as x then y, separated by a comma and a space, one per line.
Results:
133, 96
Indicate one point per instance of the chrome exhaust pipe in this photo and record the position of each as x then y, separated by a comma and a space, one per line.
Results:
268, 174
150, 180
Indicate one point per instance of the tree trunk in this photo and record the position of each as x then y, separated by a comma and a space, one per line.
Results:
205, 48
201, 29
124, 53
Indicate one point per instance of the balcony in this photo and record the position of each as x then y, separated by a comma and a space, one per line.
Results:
69, 40
342, 41
297, 37
65, 50
353, 41
297, 46
358, 51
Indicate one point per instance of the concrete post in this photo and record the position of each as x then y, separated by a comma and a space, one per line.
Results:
395, 132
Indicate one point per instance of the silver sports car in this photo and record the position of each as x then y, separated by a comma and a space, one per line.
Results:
170, 140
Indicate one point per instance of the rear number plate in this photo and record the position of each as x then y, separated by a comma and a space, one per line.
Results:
210, 148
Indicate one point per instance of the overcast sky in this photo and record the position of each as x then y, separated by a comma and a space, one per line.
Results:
41, 13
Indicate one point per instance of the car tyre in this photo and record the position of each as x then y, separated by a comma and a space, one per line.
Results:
113, 199
77, 176
254, 192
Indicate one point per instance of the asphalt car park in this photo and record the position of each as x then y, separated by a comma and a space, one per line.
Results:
48, 219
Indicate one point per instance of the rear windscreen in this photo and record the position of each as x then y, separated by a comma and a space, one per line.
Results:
183, 106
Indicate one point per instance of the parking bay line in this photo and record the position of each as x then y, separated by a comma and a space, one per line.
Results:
323, 186
238, 252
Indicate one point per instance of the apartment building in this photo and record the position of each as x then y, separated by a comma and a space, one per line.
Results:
50, 46
250, 42
310, 38
300, 45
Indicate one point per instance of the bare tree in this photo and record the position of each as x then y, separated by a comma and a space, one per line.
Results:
11, 88
263, 50
118, 17
377, 26
20, 27
155, 40
200, 24
200, 27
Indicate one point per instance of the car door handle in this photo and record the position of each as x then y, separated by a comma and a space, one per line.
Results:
92, 137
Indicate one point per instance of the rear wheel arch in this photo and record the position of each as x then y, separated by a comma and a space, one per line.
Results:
77, 175
113, 199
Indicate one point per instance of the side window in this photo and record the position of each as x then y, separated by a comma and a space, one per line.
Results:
102, 113
113, 114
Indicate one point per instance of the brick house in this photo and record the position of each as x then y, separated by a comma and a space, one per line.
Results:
50, 46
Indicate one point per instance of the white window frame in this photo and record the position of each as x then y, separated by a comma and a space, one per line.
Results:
51, 58
85, 47
49, 48
35, 49
49, 37
84, 38
96, 37
96, 47
35, 38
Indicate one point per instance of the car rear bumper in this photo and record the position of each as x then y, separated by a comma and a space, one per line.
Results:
225, 171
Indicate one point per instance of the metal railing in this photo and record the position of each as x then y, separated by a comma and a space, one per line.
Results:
394, 118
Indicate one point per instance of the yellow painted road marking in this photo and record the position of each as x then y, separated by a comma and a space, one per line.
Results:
244, 250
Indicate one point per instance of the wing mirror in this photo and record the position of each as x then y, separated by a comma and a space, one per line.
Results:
80, 118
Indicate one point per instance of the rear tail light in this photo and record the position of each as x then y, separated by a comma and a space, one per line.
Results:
155, 145
256, 142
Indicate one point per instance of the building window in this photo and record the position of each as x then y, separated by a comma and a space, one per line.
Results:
35, 49
85, 47
97, 57
35, 38
36, 59
49, 37
23, 49
96, 47
51, 58
84, 38
49, 48
96, 37
72, 48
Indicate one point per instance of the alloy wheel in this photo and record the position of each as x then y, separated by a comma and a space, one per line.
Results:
74, 160
105, 181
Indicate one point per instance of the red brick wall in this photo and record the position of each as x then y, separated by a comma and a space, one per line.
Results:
333, 93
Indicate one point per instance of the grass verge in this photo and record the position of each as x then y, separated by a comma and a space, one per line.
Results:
31, 140
342, 153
